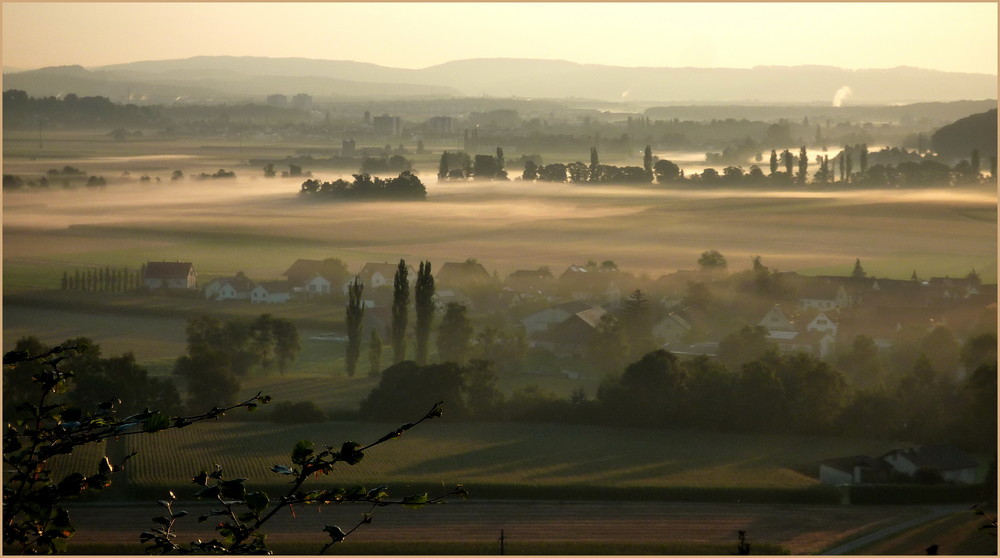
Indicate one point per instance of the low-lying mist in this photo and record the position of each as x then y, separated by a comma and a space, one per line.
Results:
511, 225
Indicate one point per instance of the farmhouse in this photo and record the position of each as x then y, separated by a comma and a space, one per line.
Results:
464, 273
271, 292
857, 469
953, 466
236, 287
318, 285
543, 319
169, 275
571, 337
375, 275
950, 462
303, 271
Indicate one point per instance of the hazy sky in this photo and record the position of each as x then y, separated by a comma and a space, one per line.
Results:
953, 36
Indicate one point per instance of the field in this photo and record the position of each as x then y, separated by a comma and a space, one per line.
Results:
260, 226
503, 459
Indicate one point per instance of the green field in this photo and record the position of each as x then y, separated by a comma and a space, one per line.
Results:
502, 460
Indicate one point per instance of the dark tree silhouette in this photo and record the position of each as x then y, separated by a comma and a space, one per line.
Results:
400, 309
355, 315
424, 305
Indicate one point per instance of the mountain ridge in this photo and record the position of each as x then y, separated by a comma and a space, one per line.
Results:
242, 77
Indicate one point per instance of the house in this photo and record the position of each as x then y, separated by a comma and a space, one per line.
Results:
543, 319
819, 344
469, 272
822, 294
444, 297
673, 330
954, 465
857, 469
271, 292
236, 287
951, 463
777, 319
303, 270
822, 323
318, 285
169, 275
571, 337
375, 275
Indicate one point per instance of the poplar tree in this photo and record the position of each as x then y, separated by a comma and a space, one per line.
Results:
803, 164
774, 161
400, 307
424, 301
443, 166
647, 161
355, 316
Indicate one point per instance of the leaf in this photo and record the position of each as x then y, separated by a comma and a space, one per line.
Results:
336, 533
178, 515
257, 501
155, 422
104, 467
233, 489
303, 450
201, 479
350, 454
283, 470
415, 502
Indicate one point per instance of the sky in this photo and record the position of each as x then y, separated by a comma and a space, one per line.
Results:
950, 36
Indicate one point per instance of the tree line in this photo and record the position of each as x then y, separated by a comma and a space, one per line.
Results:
102, 280
848, 167
364, 186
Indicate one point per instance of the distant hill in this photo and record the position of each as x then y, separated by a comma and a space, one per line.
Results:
207, 78
958, 139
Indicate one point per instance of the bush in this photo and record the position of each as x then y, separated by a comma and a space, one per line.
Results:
301, 412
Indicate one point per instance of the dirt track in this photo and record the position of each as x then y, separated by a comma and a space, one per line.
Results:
801, 529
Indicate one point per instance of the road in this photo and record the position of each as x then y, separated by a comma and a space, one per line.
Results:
801, 529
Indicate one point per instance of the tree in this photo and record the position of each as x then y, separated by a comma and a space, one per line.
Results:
454, 336
789, 161
803, 165
743, 346
374, 353
647, 161
443, 166
424, 303
711, 261
355, 316
979, 350
942, 350
637, 320
530, 170
608, 348
666, 171
35, 519
400, 308
774, 161
651, 392
405, 385
858, 272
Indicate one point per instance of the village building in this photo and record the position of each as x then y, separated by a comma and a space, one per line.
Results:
376, 275
462, 274
170, 275
237, 287
571, 337
271, 292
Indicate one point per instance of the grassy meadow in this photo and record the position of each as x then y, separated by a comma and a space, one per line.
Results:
499, 459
